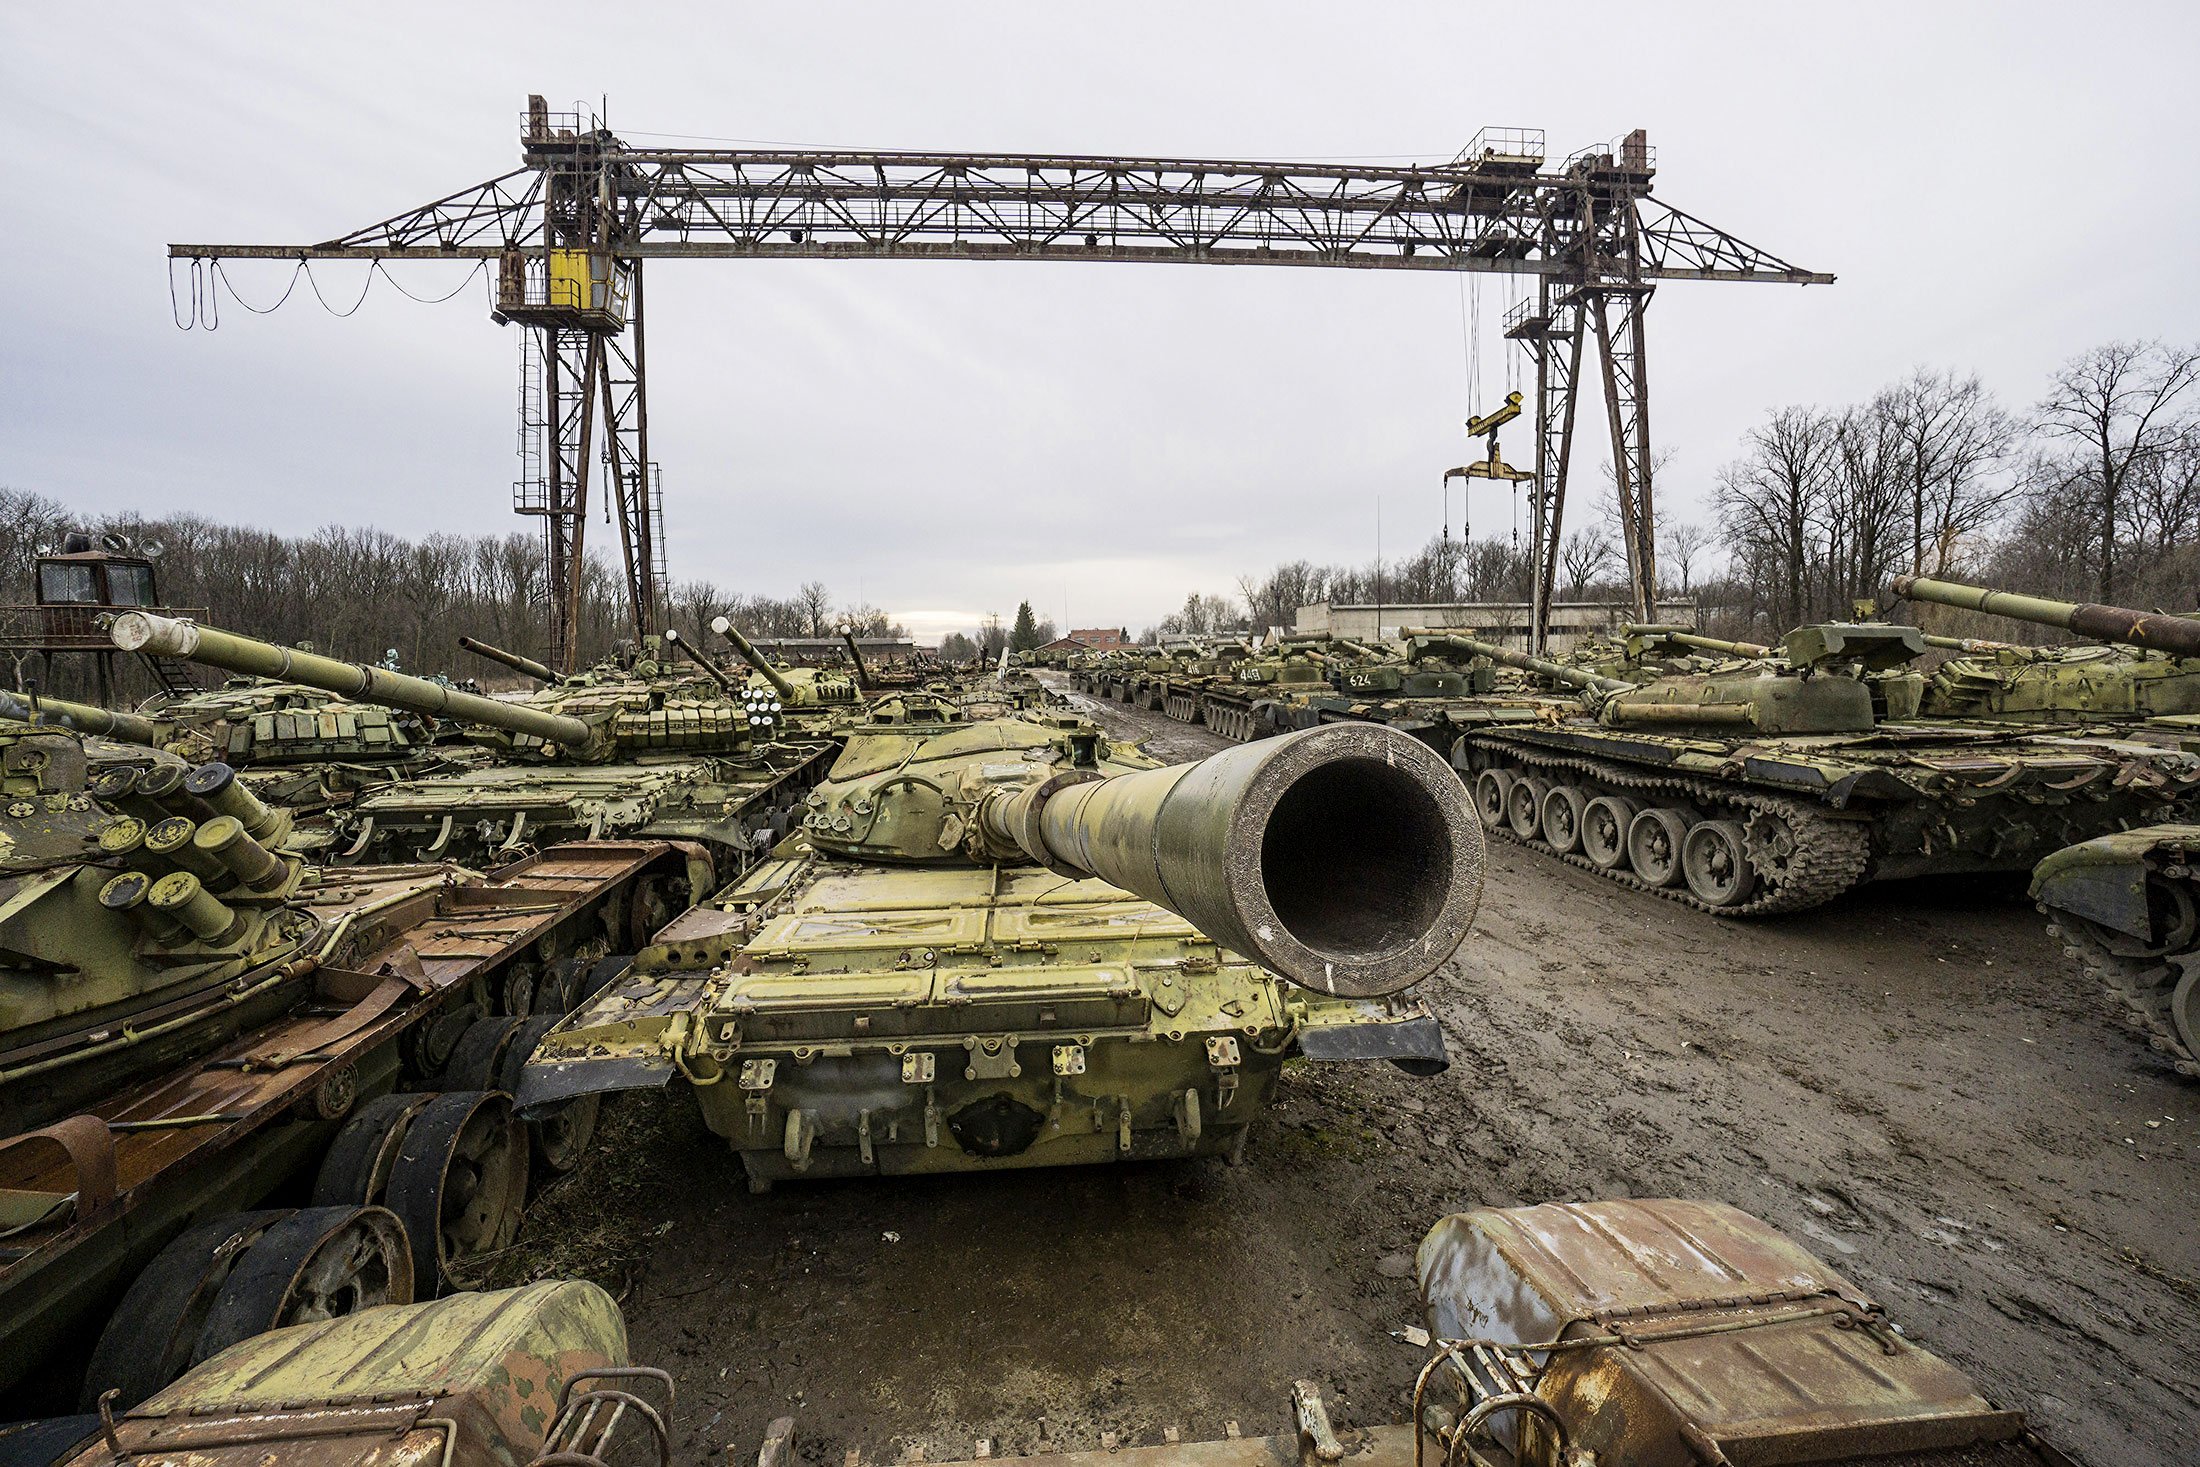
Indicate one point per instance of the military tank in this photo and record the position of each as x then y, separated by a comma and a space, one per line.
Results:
1262, 694
2140, 666
584, 759
1435, 687
194, 1016
2127, 907
1014, 943
1773, 787
301, 748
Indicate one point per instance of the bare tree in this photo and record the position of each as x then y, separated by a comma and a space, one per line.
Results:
2116, 407
1681, 546
817, 608
1583, 556
1958, 447
1771, 503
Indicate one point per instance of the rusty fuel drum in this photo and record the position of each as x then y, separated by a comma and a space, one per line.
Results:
2179, 636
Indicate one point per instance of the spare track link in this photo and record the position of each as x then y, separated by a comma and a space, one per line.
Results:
2141, 985
1831, 855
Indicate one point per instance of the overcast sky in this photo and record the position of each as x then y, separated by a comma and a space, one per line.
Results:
1998, 186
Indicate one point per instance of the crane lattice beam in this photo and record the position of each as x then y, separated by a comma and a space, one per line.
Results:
738, 204
572, 226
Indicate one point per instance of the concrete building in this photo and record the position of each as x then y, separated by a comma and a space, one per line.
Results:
1502, 622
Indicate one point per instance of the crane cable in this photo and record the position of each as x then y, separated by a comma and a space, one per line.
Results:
208, 279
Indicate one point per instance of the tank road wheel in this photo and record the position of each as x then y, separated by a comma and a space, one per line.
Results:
318, 1263
1654, 845
519, 989
426, 1048
1524, 805
479, 1050
1715, 860
356, 1167
1561, 812
459, 1183
1492, 792
1604, 823
558, 1135
150, 1338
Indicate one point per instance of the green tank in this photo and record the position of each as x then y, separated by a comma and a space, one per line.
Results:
644, 750
1773, 786
194, 1017
1014, 943
1263, 693
299, 747
2139, 667
810, 698
2127, 907
1435, 687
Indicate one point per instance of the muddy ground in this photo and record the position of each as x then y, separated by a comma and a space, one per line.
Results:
1908, 1078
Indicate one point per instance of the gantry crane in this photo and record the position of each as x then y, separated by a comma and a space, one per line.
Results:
569, 229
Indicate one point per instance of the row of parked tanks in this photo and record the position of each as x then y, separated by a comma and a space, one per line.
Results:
291, 1069
1750, 780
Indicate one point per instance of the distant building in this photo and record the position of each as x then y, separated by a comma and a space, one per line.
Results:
1502, 622
1063, 646
1101, 639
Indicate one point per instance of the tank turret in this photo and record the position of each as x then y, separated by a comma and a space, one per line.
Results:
166, 636
763, 665
524, 666
1766, 699
2179, 636
1016, 943
1344, 858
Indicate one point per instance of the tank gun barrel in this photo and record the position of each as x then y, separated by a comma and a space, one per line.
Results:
524, 666
167, 636
1573, 677
130, 728
725, 628
2177, 635
695, 655
855, 661
1344, 858
1682, 637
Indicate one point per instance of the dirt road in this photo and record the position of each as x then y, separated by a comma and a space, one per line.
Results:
1908, 1078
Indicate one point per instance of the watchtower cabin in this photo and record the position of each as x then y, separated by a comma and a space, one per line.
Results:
79, 588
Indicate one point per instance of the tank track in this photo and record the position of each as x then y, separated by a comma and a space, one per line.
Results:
2141, 985
1830, 856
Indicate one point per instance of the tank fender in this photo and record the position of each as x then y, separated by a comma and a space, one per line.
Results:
1415, 1045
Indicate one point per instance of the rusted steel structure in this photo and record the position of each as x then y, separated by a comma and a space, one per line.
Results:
569, 229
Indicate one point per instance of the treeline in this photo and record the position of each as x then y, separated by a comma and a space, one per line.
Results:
360, 593
2090, 493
